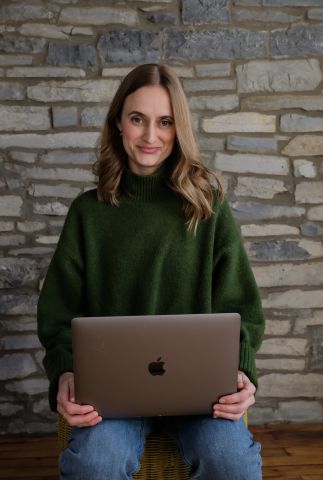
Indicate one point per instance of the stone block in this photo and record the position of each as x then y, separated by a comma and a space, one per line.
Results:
29, 386
31, 251
279, 102
307, 145
52, 72
279, 75
73, 91
39, 173
266, 16
290, 385
213, 69
304, 168
221, 43
16, 44
16, 59
309, 192
12, 91
268, 230
30, 226
214, 102
315, 13
294, 299
24, 118
57, 32
297, 40
277, 327
315, 213
316, 349
252, 163
65, 116
240, 122
99, 16
288, 364
251, 211
280, 250
47, 239
93, 116
50, 141
206, 85
23, 426
163, 17
10, 240
61, 190
259, 187
129, 46
20, 342
287, 274
211, 143
205, 11
254, 144
294, 122
116, 71
17, 12
68, 157
67, 54
284, 346
22, 324
6, 226
9, 409
16, 365
311, 230
18, 272
10, 205
312, 320
20, 304
50, 208
300, 411
25, 157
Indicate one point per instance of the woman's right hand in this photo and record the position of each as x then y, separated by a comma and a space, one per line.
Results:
75, 415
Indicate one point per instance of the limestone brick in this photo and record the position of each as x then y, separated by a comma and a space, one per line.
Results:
240, 122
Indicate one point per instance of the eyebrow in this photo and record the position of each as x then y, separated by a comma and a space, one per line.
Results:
136, 112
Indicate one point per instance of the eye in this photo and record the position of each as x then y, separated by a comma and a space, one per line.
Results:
136, 120
166, 122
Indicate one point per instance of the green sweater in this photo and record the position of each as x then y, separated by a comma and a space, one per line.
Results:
138, 258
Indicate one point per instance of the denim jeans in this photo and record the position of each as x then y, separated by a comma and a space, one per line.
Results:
215, 449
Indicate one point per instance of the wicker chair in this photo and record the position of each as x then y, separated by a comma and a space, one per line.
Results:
161, 459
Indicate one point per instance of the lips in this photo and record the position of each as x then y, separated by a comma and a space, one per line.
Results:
149, 150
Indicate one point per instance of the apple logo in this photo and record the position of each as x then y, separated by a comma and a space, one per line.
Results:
157, 367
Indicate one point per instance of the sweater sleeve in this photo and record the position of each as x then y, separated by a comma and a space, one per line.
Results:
61, 299
235, 289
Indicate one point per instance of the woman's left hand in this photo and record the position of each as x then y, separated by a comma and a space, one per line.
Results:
234, 406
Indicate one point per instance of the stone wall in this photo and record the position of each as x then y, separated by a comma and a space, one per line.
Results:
252, 70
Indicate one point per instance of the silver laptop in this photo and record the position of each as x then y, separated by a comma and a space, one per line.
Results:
155, 365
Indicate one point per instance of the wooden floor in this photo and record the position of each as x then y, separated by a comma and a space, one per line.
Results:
293, 452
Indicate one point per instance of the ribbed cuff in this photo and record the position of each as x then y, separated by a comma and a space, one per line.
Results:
247, 363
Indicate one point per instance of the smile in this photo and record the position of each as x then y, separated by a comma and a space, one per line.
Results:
149, 149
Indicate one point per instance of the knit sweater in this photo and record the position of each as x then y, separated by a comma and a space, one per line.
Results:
138, 258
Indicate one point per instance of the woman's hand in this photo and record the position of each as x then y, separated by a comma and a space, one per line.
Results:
74, 414
234, 406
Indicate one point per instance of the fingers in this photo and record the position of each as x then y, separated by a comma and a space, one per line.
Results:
234, 406
75, 415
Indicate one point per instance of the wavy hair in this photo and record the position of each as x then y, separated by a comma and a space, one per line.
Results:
189, 177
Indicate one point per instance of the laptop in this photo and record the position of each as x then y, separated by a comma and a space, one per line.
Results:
154, 365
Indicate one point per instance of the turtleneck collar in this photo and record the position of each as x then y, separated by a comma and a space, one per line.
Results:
145, 187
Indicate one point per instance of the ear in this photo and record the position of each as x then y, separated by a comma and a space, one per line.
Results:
118, 123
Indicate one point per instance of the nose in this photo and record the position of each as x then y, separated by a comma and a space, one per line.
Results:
150, 133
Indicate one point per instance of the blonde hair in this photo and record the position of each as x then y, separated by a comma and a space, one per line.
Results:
189, 176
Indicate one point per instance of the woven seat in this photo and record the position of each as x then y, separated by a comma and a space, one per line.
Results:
161, 459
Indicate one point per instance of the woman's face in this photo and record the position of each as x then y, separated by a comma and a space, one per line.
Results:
148, 128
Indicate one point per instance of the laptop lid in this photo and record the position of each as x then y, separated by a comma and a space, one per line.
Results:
155, 365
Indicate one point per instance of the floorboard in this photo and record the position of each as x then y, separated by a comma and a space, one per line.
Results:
293, 452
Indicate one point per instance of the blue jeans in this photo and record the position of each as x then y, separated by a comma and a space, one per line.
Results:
215, 449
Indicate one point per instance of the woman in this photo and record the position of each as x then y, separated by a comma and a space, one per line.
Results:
154, 238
